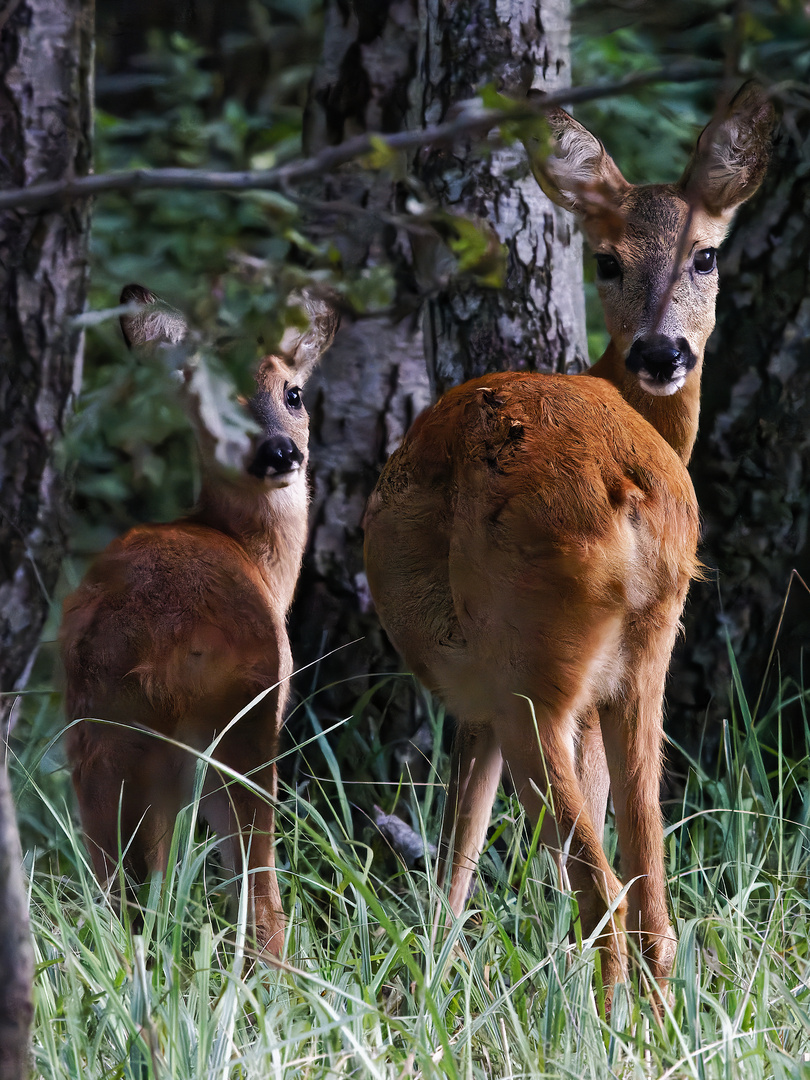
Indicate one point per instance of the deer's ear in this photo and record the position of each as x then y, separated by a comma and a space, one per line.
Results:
155, 322
303, 348
578, 174
732, 154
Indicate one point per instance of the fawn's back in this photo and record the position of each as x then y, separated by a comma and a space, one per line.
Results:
177, 628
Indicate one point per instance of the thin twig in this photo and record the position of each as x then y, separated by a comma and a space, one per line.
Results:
471, 119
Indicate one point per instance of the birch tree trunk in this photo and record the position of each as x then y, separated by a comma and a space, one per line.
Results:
46, 51
16, 954
372, 383
385, 67
536, 321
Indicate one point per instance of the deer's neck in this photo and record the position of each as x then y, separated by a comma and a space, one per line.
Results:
675, 417
271, 527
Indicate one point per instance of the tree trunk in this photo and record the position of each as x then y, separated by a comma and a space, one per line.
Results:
46, 51
372, 383
46, 54
536, 321
385, 67
751, 465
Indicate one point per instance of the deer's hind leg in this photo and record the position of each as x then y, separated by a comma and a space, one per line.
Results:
543, 767
632, 727
130, 788
474, 776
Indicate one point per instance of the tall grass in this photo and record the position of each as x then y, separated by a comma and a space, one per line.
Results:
364, 992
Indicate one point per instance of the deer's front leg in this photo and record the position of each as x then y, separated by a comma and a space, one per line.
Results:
592, 769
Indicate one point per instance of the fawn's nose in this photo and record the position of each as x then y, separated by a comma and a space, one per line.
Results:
275, 457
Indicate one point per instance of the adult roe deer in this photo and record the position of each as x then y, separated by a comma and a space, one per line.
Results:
530, 545
177, 627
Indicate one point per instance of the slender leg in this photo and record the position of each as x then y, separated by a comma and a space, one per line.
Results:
592, 769
633, 736
551, 767
134, 778
243, 819
233, 813
475, 774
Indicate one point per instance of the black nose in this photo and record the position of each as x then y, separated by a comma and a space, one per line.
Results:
275, 457
660, 357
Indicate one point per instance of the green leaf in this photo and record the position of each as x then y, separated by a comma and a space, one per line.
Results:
478, 250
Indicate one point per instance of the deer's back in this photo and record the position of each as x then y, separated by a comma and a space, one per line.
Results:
170, 617
533, 511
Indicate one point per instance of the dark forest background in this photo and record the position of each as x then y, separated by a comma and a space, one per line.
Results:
448, 263
246, 85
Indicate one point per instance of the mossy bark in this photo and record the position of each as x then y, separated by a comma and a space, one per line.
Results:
535, 321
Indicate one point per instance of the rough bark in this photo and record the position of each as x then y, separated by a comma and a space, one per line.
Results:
45, 132
536, 320
372, 382
387, 66
751, 466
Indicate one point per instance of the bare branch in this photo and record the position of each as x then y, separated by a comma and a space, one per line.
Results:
471, 120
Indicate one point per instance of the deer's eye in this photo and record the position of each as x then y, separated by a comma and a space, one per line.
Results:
607, 268
293, 397
705, 260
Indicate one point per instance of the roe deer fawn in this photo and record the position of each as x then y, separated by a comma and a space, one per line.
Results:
530, 545
177, 627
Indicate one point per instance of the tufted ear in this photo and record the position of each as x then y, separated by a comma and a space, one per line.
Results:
302, 349
732, 153
155, 322
578, 174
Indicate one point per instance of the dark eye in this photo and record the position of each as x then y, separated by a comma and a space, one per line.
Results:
293, 397
607, 268
705, 260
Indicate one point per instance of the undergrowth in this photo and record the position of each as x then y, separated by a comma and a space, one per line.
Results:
365, 988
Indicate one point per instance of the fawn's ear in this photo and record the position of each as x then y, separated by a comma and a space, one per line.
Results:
302, 349
578, 174
155, 322
732, 154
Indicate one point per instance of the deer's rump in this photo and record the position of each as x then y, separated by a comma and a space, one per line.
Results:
174, 629
541, 516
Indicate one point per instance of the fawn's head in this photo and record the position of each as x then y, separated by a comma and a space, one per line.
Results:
277, 457
655, 245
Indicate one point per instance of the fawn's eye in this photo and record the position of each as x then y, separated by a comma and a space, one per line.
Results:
705, 260
607, 268
293, 397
